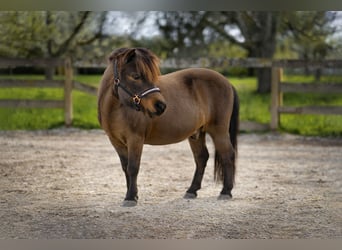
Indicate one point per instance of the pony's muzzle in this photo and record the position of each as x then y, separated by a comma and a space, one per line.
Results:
159, 107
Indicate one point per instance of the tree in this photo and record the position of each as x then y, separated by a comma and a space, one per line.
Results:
257, 35
190, 32
48, 34
184, 32
308, 32
256, 32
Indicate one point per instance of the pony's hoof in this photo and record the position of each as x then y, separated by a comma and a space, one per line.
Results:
224, 197
190, 196
129, 203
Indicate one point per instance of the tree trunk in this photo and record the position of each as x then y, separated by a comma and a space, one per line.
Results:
264, 77
49, 73
263, 37
318, 74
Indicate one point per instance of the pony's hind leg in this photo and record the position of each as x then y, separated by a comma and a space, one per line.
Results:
201, 155
224, 164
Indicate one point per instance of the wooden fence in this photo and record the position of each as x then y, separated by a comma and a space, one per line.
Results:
279, 87
68, 84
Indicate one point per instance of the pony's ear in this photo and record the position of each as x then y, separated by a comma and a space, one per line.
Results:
130, 55
116, 53
111, 58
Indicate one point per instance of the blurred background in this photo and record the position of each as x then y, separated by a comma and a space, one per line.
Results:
88, 38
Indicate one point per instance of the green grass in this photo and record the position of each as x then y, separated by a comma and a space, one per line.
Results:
253, 107
84, 106
323, 125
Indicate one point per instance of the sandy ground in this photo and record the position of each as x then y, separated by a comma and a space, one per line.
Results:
68, 183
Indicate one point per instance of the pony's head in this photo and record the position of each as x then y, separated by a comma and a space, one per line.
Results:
135, 71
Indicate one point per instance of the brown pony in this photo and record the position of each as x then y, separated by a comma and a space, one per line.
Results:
137, 106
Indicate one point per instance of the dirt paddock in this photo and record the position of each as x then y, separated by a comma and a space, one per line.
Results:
68, 183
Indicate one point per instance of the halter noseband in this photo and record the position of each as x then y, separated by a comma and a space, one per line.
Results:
136, 98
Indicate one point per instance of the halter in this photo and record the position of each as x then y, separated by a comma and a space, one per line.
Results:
136, 98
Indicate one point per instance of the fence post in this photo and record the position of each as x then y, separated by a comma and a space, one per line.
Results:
68, 92
276, 97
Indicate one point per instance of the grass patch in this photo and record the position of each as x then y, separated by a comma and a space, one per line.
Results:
256, 107
84, 106
253, 107
318, 125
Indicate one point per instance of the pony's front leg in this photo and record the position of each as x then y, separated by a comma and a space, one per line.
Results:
133, 165
123, 155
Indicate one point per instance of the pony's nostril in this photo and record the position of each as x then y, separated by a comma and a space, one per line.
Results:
160, 107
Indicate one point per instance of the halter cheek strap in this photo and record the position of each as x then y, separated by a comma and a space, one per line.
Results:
136, 98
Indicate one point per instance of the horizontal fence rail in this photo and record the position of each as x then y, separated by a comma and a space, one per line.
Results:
34, 62
279, 87
249, 63
286, 87
229, 62
314, 110
65, 104
15, 83
85, 88
6, 103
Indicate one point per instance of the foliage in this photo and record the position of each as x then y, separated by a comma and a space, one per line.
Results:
257, 32
156, 44
308, 32
184, 32
89, 36
48, 33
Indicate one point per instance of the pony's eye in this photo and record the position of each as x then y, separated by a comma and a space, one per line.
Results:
136, 76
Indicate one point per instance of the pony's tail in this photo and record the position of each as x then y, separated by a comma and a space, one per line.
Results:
233, 132
234, 122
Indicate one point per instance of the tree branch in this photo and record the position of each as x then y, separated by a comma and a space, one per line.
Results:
97, 34
65, 45
221, 31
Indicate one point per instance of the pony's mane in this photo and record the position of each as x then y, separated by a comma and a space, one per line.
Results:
147, 63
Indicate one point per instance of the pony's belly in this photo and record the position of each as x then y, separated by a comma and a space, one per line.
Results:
170, 137
164, 141
173, 128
